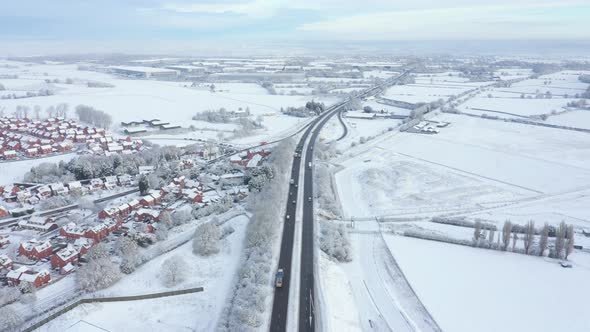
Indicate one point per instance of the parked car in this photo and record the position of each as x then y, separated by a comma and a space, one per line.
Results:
565, 264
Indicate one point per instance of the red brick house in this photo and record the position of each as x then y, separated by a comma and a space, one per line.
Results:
71, 231
194, 197
3, 212
97, 233
147, 200
10, 154
34, 249
124, 209
133, 204
109, 213
23, 274
147, 215
5, 263
67, 255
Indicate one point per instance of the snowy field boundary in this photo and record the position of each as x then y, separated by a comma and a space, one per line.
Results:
111, 299
521, 121
424, 320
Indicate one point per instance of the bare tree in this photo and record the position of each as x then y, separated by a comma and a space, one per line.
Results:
476, 232
491, 235
50, 111
569, 246
173, 271
544, 239
560, 240
37, 110
506, 230
514, 240
529, 236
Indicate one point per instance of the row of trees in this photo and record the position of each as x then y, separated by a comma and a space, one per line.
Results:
93, 116
508, 236
166, 159
247, 304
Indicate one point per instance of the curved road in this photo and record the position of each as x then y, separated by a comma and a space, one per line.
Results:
343, 126
306, 290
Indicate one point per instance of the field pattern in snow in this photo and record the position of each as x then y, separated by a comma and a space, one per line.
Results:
468, 289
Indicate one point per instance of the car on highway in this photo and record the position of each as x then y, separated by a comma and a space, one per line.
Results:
294, 202
279, 279
309, 199
288, 217
309, 165
292, 181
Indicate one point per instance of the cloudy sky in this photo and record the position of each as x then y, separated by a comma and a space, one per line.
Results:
132, 22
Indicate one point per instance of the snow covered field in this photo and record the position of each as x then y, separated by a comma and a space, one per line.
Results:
381, 183
469, 289
523, 107
174, 102
198, 311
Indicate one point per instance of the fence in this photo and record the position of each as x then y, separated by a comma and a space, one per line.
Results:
110, 299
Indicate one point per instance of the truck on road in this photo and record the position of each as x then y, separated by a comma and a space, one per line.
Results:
279, 280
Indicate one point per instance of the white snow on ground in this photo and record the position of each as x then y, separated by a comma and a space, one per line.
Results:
468, 289
524, 107
198, 311
577, 119
503, 152
340, 312
380, 183
12, 171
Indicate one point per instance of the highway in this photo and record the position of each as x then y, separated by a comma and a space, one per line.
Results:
306, 290
281, 296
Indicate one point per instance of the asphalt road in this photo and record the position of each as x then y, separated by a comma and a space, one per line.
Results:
343, 126
281, 297
306, 290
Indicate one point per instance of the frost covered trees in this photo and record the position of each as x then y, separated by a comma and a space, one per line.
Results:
560, 240
9, 295
334, 242
93, 116
529, 236
129, 252
206, 241
143, 184
11, 318
182, 216
173, 271
99, 272
569, 245
248, 301
543, 239
506, 232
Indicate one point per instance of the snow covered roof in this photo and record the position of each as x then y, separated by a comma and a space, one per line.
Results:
15, 274
67, 253
150, 212
5, 260
34, 244
133, 202
254, 161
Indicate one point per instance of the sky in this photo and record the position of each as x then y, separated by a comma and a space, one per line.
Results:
127, 25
